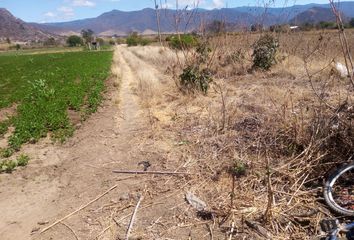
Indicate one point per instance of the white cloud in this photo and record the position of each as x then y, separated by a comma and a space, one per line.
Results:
50, 14
183, 3
83, 3
218, 3
67, 12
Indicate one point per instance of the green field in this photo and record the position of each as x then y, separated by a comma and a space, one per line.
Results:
44, 87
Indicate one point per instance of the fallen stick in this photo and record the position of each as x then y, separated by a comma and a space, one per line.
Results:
133, 217
79, 209
71, 230
121, 219
149, 172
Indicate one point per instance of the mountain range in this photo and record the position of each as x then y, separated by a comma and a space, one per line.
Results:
14, 28
143, 21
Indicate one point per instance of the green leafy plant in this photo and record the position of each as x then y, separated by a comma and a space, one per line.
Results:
7, 166
264, 52
4, 126
239, 169
134, 40
6, 152
184, 41
194, 78
22, 160
65, 81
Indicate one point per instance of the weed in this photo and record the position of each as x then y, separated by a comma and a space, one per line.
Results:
63, 133
7, 166
239, 169
22, 160
6, 152
4, 126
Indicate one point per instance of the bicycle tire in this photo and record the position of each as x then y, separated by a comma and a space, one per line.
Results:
328, 196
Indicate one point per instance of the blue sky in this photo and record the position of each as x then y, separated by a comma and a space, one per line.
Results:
65, 10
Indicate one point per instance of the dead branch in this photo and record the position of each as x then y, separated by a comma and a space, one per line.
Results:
149, 172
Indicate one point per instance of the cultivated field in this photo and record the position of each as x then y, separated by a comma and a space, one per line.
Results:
44, 93
254, 145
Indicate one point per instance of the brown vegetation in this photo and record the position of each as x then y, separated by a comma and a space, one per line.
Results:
260, 144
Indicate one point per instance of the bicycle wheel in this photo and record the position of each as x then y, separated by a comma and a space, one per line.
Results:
339, 190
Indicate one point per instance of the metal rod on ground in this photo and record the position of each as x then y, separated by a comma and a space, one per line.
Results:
133, 217
149, 172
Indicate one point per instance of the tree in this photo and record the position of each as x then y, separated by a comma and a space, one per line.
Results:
100, 41
351, 23
216, 27
74, 41
256, 27
50, 42
87, 35
8, 40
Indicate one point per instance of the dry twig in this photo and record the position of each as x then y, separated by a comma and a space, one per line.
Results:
79, 209
133, 217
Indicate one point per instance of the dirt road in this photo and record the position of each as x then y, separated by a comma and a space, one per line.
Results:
61, 178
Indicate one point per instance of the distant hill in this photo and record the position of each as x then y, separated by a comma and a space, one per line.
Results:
18, 30
121, 23
143, 21
315, 15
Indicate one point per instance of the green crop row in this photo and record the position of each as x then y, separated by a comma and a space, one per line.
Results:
45, 87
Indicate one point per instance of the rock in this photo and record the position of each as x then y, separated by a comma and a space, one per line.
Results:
124, 197
195, 201
341, 69
34, 230
43, 222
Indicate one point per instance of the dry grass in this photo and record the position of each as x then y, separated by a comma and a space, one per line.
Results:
276, 125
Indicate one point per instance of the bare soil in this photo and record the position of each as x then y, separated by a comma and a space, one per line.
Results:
61, 178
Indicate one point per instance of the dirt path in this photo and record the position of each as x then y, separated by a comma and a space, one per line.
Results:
62, 178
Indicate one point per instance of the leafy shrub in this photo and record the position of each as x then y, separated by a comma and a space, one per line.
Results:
194, 78
264, 51
184, 41
134, 40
